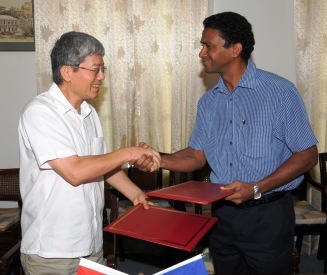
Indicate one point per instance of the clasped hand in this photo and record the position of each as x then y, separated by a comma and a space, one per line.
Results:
149, 160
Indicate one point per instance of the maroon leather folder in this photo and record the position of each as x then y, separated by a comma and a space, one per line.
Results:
163, 226
199, 192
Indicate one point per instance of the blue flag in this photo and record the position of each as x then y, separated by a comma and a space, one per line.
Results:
193, 265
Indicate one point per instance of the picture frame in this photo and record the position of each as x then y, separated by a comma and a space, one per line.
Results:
17, 25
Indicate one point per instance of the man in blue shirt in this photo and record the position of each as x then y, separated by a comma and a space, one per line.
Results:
253, 130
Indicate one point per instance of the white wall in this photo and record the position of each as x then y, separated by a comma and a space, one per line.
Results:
17, 87
272, 22
273, 26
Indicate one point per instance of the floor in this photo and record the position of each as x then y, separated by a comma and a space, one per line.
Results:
159, 258
310, 264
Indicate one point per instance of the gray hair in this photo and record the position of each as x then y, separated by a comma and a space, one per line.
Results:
71, 49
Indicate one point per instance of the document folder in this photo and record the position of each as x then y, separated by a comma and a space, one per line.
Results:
199, 192
163, 226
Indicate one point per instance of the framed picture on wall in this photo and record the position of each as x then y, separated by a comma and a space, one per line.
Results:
17, 25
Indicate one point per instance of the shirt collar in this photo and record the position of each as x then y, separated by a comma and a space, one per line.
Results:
248, 79
63, 104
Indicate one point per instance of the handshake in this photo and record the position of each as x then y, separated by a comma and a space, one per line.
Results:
145, 158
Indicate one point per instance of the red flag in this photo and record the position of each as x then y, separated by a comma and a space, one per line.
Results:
87, 267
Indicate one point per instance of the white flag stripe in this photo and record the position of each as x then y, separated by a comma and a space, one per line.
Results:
100, 268
195, 258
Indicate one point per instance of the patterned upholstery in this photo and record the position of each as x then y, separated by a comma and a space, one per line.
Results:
306, 213
9, 191
310, 220
208, 261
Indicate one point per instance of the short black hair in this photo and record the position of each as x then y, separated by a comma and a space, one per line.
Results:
234, 28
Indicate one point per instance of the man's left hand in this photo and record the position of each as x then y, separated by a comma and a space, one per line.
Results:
243, 192
143, 199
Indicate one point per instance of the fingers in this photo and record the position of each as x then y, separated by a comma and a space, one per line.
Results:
149, 164
143, 199
156, 160
143, 145
145, 158
243, 192
145, 163
133, 161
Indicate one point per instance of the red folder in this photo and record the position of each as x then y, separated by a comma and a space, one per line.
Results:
163, 226
199, 192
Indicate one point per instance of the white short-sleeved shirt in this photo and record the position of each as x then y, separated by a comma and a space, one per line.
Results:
58, 220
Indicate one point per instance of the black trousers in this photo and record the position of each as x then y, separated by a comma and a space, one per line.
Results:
254, 240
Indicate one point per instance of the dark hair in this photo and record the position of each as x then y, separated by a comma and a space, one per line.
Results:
234, 28
71, 49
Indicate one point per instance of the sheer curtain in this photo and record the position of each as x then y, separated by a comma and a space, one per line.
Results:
155, 77
311, 58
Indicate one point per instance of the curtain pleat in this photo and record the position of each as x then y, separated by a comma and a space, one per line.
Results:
155, 77
310, 23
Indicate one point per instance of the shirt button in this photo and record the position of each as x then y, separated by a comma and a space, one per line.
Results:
231, 164
231, 121
231, 142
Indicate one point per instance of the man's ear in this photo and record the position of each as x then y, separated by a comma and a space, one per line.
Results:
66, 73
237, 49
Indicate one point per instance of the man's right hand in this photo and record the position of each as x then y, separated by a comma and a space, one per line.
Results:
148, 161
144, 163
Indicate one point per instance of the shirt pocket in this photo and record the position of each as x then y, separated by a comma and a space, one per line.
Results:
255, 141
97, 146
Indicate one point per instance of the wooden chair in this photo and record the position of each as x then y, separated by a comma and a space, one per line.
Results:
146, 181
310, 220
322, 250
202, 174
10, 238
177, 178
10, 257
109, 239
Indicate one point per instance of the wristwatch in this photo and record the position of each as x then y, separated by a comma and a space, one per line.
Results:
257, 192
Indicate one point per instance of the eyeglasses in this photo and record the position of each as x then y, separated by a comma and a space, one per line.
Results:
96, 71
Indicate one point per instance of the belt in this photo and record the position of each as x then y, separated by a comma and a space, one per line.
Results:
264, 199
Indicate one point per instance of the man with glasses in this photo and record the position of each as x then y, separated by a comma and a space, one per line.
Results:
63, 161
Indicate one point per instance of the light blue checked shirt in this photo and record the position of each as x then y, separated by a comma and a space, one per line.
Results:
247, 134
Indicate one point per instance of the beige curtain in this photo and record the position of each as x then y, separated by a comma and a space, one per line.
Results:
155, 77
311, 64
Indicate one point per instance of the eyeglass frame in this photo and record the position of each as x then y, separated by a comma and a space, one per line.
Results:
96, 71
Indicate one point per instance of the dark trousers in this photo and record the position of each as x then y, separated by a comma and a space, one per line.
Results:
254, 240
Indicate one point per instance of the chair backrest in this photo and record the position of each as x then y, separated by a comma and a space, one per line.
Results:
109, 239
309, 219
323, 178
9, 191
146, 181
300, 192
202, 174
9, 185
323, 168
